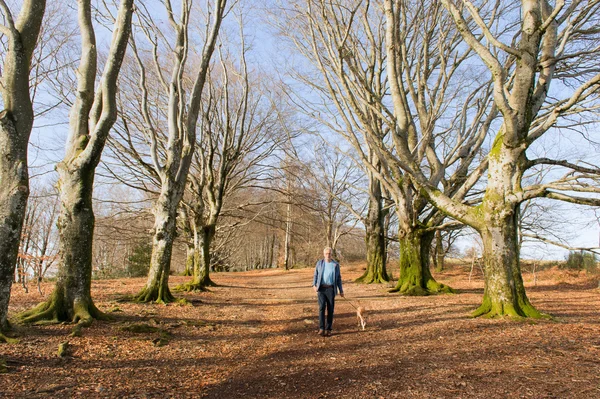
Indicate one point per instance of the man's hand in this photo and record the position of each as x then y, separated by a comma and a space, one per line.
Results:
342, 294
315, 288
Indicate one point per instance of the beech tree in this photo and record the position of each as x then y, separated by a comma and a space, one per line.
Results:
345, 44
238, 133
16, 121
182, 111
92, 116
550, 43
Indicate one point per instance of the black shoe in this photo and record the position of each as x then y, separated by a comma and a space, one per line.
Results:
328, 333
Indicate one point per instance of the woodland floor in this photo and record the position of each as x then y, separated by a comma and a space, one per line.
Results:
254, 336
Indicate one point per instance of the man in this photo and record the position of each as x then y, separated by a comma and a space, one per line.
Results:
326, 282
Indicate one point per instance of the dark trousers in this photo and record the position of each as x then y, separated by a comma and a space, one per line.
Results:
326, 300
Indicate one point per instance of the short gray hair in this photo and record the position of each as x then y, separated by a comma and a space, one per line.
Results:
327, 248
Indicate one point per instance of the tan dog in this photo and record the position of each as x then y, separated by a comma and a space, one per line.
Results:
361, 317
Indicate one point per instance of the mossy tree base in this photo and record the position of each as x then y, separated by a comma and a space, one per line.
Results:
415, 276
57, 310
370, 277
498, 309
148, 295
408, 288
192, 286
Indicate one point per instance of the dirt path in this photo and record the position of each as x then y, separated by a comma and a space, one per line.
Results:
254, 336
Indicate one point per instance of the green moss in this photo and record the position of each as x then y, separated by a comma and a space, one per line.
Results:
8, 340
63, 349
140, 328
497, 146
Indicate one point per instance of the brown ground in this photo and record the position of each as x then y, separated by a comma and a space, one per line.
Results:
254, 337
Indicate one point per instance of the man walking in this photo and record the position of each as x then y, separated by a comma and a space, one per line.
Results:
326, 282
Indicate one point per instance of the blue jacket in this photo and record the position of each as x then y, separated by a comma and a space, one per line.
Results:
337, 277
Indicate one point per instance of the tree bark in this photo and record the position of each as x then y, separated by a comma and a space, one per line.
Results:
13, 202
165, 214
16, 121
72, 299
438, 256
375, 240
504, 293
189, 260
92, 116
415, 277
201, 277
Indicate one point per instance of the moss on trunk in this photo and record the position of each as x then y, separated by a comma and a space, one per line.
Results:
71, 299
189, 261
376, 258
415, 277
156, 289
201, 277
504, 293
165, 215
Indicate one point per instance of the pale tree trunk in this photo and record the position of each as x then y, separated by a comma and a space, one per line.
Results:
92, 116
16, 121
71, 299
189, 260
165, 218
375, 239
504, 292
288, 237
182, 121
203, 236
415, 277
438, 256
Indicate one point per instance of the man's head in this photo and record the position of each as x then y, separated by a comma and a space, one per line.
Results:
327, 253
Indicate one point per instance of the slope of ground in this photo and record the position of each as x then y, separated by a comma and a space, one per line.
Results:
254, 336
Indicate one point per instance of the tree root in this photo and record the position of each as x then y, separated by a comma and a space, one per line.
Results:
192, 286
8, 340
372, 278
55, 310
156, 295
432, 287
498, 310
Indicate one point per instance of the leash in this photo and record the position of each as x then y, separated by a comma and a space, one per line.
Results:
350, 302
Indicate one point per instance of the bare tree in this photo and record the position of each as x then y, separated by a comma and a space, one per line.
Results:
238, 133
346, 46
548, 43
182, 113
16, 121
92, 116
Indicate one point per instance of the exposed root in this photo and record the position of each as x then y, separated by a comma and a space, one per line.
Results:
498, 310
432, 287
192, 286
147, 295
7, 340
55, 310
439, 288
372, 278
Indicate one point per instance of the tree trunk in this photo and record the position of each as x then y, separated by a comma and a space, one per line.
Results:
13, 202
415, 277
438, 256
376, 254
288, 237
72, 299
504, 293
202, 240
16, 121
165, 214
189, 260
